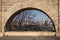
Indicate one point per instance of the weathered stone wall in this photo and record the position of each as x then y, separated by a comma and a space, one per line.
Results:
59, 15
48, 6
0, 17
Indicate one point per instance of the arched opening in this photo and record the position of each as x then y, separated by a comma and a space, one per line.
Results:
30, 19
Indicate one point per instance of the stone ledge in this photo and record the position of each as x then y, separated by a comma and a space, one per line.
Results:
30, 33
1, 34
58, 34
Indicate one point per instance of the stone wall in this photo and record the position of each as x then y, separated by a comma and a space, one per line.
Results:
59, 15
49, 6
9, 7
0, 17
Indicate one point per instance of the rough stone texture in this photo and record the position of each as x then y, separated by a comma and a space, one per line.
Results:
59, 15
9, 7
0, 17
49, 6
58, 34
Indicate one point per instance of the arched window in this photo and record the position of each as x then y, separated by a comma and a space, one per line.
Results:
30, 19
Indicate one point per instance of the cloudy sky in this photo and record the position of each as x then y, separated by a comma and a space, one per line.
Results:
34, 15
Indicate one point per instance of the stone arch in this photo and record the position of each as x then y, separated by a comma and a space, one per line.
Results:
28, 8
17, 6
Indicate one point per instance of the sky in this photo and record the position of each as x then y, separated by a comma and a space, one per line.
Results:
38, 15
